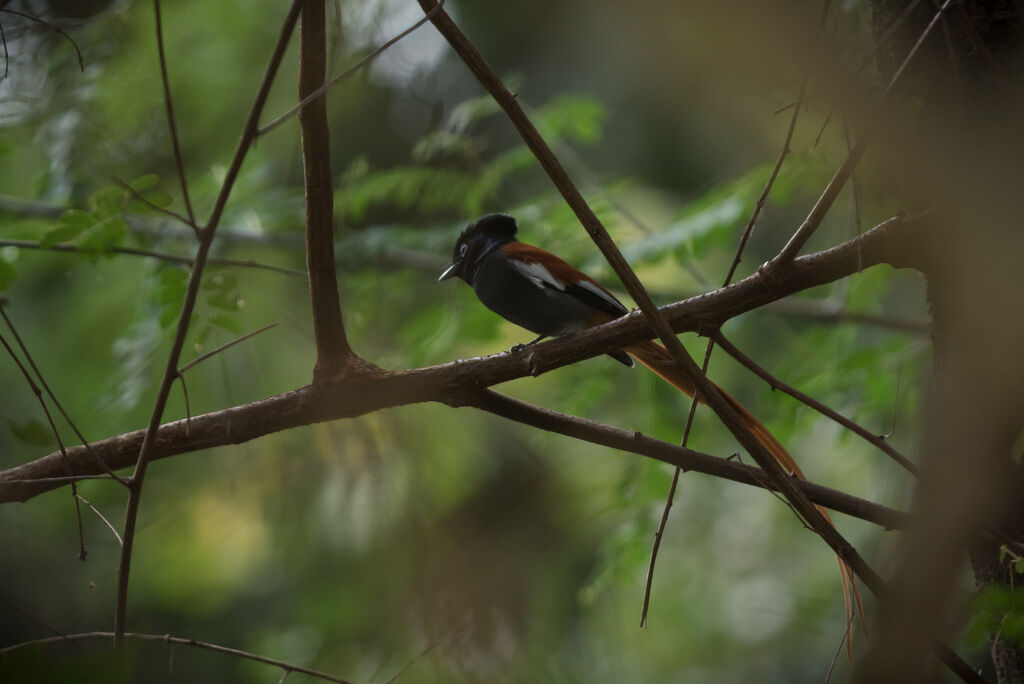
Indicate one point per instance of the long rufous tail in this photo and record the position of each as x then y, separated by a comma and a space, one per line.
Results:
659, 361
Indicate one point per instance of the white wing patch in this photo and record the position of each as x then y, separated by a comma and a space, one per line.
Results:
591, 287
538, 275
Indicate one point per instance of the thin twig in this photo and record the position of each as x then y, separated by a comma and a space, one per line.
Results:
335, 80
206, 236
726, 412
57, 481
136, 195
162, 256
839, 647
81, 61
102, 517
53, 428
412, 662
7, 56
828, 196
683, 457
53, 397
179, 641
775, 383
39, 621
745, 236
199, 359
375, 389
171, 123
878, 45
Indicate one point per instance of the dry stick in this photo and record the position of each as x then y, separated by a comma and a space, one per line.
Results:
776, 384
227, 345
376, 389
196, 361
821, 309
57, 481
7, 56
335, 80
162, 256
136, 195
81, 62
102, 517
205, 236
82, 553
179, 641
507, 101
53, 397
171, 123
682, 457
412, 662
726, 412
879, 44
39, 621
747, 231
835, 185
333, 352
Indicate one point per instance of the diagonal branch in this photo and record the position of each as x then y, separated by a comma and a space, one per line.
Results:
179, 641
845, 171
744, 237
873, 439
205, 236
725, 411
335, 80
162, 256
363, 392
558, 175
682, 457
375, 389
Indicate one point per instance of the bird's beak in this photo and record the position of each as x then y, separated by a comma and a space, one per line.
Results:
449, 272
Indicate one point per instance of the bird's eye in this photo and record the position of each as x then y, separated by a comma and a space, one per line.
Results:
462, 249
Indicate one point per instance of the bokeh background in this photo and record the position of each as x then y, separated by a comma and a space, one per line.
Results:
448, 541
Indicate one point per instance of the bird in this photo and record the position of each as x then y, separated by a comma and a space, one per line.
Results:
542, 293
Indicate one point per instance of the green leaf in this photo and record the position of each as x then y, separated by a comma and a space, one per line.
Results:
73, 223
100, 238
108, 200
997, 609
159, 199
468, 111
575, 116
144, 182
444, 144
32, 432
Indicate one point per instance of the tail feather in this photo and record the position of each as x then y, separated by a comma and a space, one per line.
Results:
660, 362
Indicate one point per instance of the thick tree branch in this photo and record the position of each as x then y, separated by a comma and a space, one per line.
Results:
332, 346
373, 389
370, 390
679, 456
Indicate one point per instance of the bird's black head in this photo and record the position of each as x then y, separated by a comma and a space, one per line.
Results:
477, 241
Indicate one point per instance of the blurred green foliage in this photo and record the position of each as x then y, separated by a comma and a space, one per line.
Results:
352, 547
